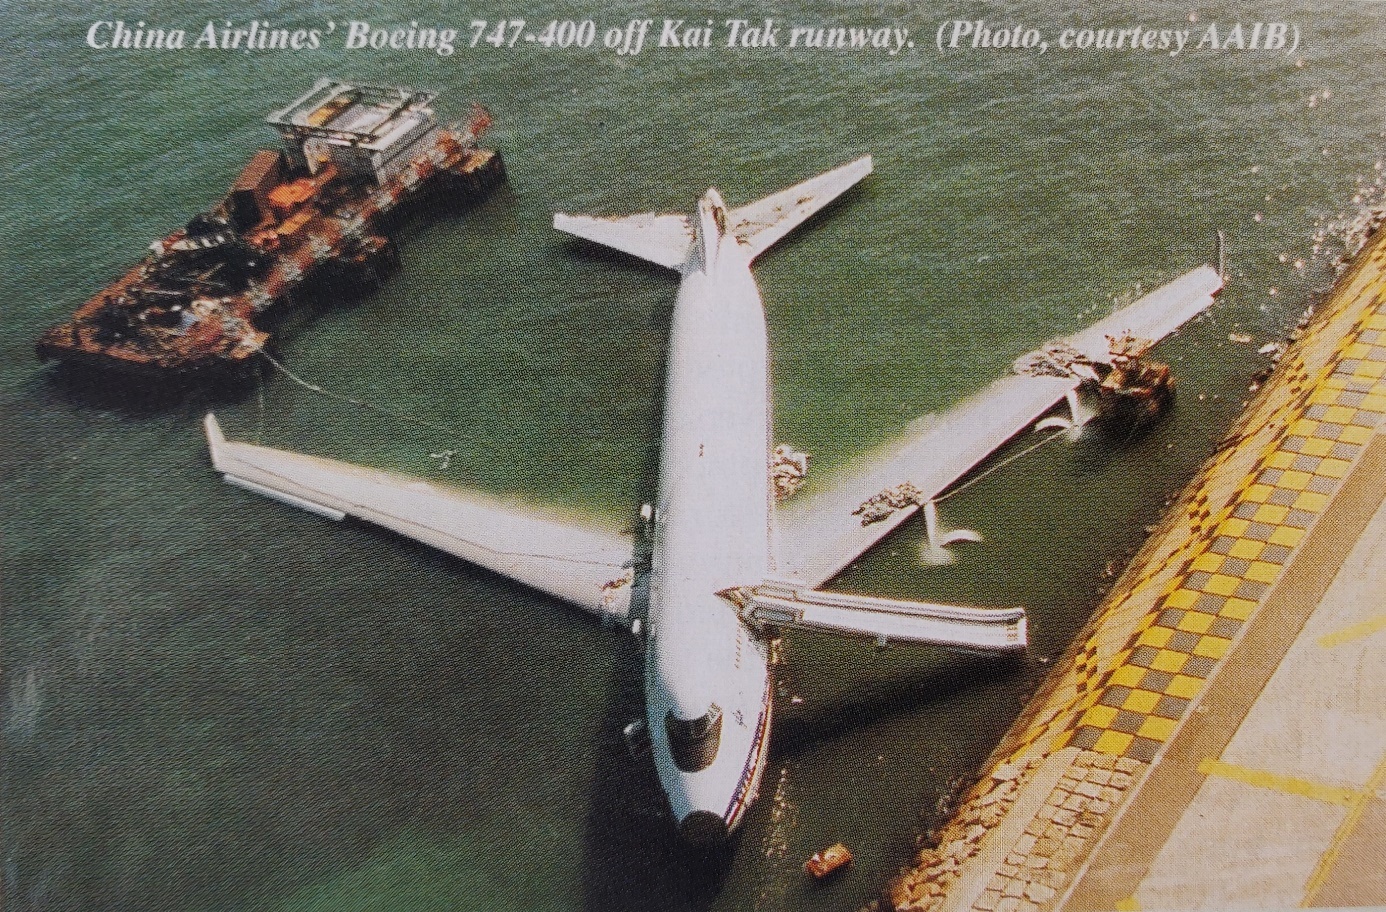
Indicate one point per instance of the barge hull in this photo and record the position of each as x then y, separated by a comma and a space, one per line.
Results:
308, 223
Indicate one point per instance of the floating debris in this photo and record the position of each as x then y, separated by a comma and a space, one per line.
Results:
788, 469
834, 858
1239, 338
879, 506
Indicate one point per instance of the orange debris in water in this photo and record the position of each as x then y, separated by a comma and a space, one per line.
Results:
832, 859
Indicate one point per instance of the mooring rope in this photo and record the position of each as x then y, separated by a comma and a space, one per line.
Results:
424, 422
1000, 465
341, 397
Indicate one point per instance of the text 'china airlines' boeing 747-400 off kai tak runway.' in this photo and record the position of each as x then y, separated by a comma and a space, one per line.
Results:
727, 567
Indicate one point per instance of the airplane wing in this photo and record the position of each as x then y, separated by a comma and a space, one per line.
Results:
589, 568
661, 239
760, 224
818, 536
1153, 316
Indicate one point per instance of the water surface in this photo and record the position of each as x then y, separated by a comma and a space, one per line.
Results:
214, 702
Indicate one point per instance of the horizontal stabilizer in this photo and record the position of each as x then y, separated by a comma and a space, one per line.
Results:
889, 620
661, 239
760, 224
587, 567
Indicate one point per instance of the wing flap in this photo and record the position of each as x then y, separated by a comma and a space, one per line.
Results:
661, 239
890, 620
587, 567
760, 224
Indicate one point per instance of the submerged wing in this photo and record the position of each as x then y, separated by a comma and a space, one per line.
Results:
586, 567
661, 239
760, 224
1155, 315
819, 535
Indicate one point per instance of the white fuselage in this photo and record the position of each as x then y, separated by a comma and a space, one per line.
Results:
708, 686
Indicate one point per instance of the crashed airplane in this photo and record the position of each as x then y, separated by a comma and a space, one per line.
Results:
726, 567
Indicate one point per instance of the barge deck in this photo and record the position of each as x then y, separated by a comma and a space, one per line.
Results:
312, 217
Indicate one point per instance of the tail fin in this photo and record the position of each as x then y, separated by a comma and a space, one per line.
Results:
760, 224
662, 239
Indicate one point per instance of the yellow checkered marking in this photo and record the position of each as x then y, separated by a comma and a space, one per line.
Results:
1135, 706
1315, 426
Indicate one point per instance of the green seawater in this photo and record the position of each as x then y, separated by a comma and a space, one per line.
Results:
213, 702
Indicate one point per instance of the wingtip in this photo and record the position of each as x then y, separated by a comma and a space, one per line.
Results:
569, 223
856, 170
215, 438
1219, 279
857, 167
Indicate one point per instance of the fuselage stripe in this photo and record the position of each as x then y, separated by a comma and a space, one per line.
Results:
741, 797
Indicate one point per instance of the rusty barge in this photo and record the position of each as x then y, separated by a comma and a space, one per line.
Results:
308, 219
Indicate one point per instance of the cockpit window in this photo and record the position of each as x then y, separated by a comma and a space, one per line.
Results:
694, 742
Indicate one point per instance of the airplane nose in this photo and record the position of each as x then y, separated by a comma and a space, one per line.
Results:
703, 830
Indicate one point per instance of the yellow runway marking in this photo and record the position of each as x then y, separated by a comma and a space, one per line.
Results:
1355, 632
1290, 785
1335, 846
